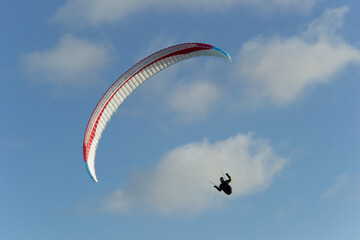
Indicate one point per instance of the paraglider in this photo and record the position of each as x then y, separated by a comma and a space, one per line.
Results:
224, 185
131, 80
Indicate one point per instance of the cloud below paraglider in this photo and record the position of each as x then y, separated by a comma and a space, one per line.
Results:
279, 70
180, 182
71, 61
93, 12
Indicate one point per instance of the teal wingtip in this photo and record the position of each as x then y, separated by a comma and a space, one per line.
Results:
227, 56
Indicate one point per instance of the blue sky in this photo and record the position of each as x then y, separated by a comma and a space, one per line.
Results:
282, 119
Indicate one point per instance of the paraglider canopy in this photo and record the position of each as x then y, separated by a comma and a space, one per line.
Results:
128, 82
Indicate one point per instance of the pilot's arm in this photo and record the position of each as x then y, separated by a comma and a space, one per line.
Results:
228, 177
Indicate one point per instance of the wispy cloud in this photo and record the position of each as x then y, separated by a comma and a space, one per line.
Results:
158, 43
189, 89
286, 210
345, 187
93, 12
70, 62
194, 100
179, 183
340, 183
279, 70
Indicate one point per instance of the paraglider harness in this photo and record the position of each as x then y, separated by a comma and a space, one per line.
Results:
224, 185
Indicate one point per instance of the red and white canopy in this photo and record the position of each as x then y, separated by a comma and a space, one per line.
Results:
128, 82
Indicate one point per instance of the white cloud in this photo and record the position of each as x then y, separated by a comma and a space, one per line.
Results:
179, 183
279, 70
71, 61
92, 12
